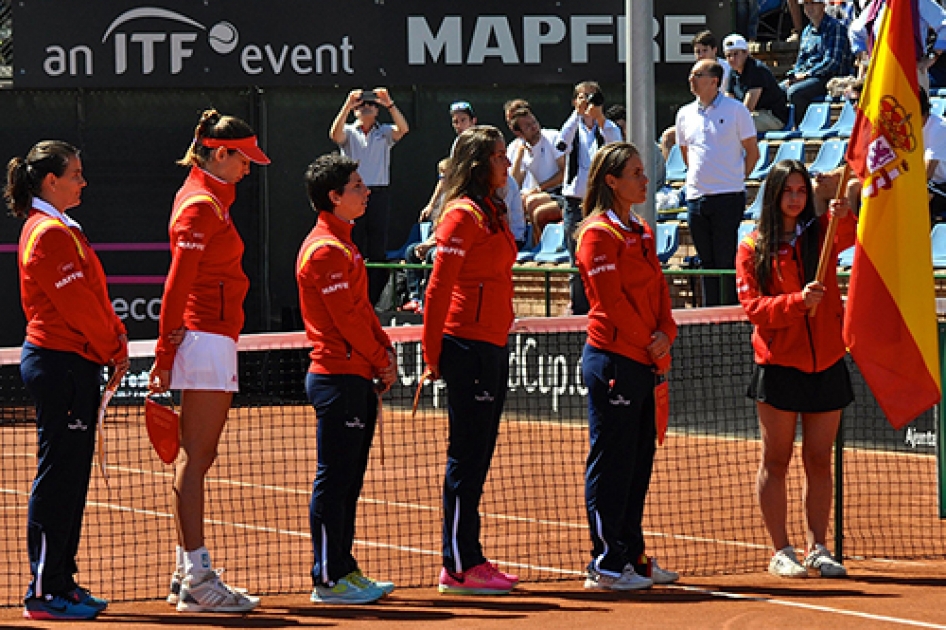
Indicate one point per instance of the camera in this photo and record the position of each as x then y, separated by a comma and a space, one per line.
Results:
596, 99
369, 96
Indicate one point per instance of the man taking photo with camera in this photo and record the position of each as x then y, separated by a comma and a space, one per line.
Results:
585, 131
369, 143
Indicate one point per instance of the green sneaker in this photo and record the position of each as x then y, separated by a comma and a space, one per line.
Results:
354, 588
386, 587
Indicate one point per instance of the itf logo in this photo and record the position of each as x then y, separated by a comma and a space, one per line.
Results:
223, 39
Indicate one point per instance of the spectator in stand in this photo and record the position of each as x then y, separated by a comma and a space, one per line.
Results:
718, 143
538, 168
369, 143
754, 84
747, 18
797, 24
934, 142
704, 47
582, 135
424, 251
823, 53
864, 29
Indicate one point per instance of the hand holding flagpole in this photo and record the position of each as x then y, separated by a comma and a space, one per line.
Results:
828, 246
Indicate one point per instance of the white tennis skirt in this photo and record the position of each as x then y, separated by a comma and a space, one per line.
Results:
207, 362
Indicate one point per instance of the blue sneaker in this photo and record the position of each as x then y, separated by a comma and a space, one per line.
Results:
57, 608
351, 589
83, 596
357, 576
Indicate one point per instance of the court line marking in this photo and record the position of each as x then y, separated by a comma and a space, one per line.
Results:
804, 606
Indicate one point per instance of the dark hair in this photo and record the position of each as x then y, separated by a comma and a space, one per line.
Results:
609, 160
214, 125
514, 105
330, 172
706, 38
770, 224
469, 171
715, 70
516, 115
25, 175
616, 112
924, 103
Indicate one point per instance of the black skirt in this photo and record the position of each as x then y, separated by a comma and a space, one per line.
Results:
790, 389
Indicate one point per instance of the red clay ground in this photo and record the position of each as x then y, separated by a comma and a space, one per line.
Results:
878, 595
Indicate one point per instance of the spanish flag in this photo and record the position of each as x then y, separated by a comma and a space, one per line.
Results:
890, 320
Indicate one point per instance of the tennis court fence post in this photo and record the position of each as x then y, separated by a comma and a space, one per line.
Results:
941, 426
839, 491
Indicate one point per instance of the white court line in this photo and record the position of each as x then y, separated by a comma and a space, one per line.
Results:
812, 607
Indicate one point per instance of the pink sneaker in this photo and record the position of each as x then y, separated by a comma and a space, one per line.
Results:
483, 579
509, 576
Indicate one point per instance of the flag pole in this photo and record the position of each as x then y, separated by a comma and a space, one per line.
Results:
828, 244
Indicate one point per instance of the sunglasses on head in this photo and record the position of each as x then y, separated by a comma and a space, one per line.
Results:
460, 106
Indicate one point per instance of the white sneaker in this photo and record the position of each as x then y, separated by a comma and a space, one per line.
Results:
208, 593
785, 564
174, 595
820, 560
629, 580
660, 575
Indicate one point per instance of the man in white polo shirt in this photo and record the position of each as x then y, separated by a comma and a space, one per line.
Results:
718, 141
538, 168
369, 143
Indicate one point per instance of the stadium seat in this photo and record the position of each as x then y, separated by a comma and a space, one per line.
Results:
552, 246
830, 156
846, 258
419, 233
938, 243
668, 239
755, 208
745, 229
817, 117
791, 150
676, 167
841, 128
763, 161
938, 105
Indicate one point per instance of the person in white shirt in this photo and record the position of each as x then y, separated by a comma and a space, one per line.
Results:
538, 168
369, 142
934, 155
582, 134
718, 141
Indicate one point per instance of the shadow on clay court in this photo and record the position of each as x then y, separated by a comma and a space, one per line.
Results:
901, 580
798, 589
256, 619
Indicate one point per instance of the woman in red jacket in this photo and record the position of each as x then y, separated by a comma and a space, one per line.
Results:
71, 332
800, 368
630, 331
203, 297
466, 324
349, 351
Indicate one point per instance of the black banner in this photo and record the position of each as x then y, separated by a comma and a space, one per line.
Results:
217, 43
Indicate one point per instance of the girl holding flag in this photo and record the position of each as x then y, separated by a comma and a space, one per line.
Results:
799, 357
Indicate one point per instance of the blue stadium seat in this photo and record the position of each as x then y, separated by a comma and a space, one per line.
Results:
552, 246
668, 239
676, 167
841, 128
817, 117
938, 105
755, 208
846, 258
791, 150
938, 243
419, 233
829, 157
763, 160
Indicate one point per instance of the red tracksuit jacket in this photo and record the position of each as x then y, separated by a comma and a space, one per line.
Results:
784, 334
469, 294
627, 292
339, 320
64, 293
206, 285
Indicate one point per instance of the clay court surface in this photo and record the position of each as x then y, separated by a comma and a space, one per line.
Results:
877, 595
